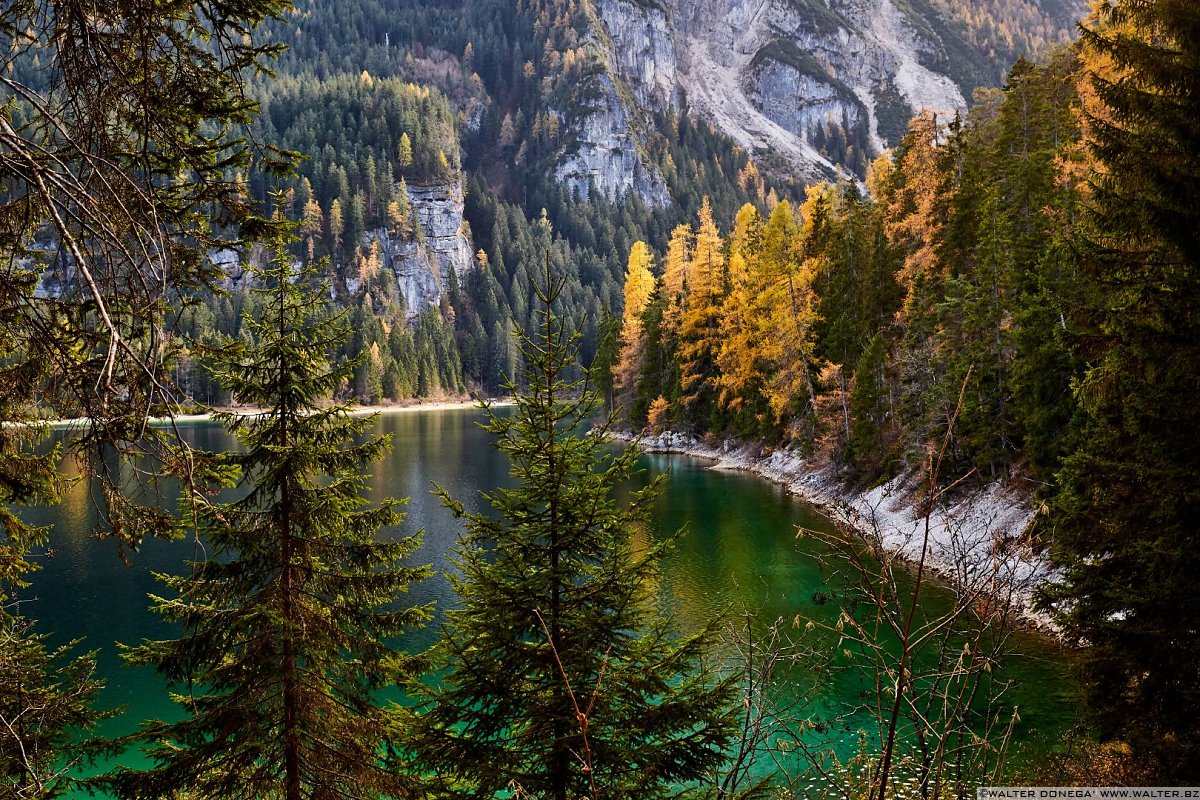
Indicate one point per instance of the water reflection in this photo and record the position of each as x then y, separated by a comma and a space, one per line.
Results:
738, 551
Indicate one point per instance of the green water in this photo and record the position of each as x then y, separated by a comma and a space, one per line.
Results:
738, 551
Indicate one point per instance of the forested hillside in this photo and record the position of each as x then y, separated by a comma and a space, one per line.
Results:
433, 142
388, 104
1013, 299
1012, 291
851, 322
452, 124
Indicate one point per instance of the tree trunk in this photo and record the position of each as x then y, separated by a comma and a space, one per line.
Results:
291, 685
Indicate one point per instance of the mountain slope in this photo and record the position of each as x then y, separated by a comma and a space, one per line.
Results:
820, 86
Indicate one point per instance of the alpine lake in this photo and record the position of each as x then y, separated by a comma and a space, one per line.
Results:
737, 558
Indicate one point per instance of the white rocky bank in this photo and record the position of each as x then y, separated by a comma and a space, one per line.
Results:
976, 541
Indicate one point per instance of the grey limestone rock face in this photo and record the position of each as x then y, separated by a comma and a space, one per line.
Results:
643, 51
439, 210
768, 72
418, 279
422, 265
800, 102
606, 156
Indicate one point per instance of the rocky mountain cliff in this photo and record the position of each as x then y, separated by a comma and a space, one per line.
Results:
422, 264
817, 86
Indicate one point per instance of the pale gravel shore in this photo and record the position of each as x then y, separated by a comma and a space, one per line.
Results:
963, 537
437, 405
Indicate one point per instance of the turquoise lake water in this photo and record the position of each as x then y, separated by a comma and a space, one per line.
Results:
738, 553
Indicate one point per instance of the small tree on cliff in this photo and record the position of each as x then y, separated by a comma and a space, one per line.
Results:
558, 672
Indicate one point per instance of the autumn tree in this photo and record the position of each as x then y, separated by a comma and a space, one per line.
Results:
404, 151
700, 325
337, 224
1126, 527
400, 218
790, 304
913, 196
312, 224
661, 323
639, 286
676, 277
739, 357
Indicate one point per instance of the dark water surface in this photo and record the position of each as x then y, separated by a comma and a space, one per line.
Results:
739, 551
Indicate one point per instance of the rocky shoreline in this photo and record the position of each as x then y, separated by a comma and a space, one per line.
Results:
354, 410
978, 540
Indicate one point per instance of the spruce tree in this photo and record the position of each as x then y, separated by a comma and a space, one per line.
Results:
286, 626
47, 695
558, 672
866, 452
1126, 533
47, 712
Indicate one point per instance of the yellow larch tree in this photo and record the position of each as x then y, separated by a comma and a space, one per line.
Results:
639, 287
738, 359
787, 312
700, 328
913, 198
336, 223
313, 221
675, 278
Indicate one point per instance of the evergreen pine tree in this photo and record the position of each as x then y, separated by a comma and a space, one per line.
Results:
286, 625
47, 697
867, 412
47, 713
1127, 516
558, 673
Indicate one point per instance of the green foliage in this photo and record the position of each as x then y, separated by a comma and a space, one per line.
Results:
1126, 527
660, 368
857, 288
891, 111
122, 157
977, 43
557, 672
47, 712
868, 452
47, 695
958, 270
607, 351
287, 625
124, 152
362, 136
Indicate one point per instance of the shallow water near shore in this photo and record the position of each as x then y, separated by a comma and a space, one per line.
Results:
738, 554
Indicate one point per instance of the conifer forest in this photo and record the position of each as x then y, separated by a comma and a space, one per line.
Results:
933, 267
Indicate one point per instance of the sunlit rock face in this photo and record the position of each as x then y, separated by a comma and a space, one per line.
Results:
606, 157
779, 75
422, 265
782, 77
642, 50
